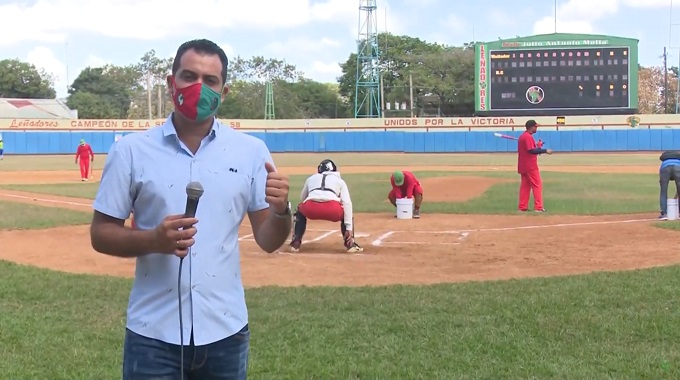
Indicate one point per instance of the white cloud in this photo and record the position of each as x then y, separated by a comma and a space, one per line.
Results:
385, 18
500, 18
546, 25
333, 10
452, 30
326, 68
228, 50
647, 3
52, 20
301, 45
43, 57
579, 16
322, 71
389, 20
94, 61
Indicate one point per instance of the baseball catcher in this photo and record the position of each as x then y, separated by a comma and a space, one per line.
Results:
325, 197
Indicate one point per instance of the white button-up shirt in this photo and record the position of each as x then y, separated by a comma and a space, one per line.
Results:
147, 173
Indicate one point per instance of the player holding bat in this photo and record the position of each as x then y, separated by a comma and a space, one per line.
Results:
527, 167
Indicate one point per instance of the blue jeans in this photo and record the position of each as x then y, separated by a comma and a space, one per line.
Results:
150, 359
671, 172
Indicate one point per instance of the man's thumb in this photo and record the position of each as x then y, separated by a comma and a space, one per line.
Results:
270, 167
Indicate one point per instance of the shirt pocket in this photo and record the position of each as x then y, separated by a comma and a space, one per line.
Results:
229, 187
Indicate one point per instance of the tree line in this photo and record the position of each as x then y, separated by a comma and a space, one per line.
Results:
438, 78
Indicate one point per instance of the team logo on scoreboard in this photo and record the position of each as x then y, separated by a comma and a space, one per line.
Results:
535, 95
633, 121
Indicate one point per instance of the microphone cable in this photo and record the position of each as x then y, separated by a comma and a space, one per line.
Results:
181, 325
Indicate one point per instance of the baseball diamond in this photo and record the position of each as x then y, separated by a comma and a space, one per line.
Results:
444, 248
602, 218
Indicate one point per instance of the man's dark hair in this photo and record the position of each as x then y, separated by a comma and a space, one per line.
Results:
202, 46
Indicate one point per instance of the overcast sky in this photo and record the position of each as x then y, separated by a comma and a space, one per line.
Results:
65, 36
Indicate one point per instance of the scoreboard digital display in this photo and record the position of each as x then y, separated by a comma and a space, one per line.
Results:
520, 78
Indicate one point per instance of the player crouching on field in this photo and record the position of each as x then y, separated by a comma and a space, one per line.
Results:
406, 185
325, 197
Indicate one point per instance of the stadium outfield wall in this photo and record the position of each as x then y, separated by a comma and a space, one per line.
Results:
611, 133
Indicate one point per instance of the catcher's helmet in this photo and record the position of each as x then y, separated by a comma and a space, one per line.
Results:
326, 166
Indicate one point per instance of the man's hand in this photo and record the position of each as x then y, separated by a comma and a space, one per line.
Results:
175, 235
76, 162
349, 240
276, 190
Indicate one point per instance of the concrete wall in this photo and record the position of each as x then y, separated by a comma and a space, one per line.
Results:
615, 140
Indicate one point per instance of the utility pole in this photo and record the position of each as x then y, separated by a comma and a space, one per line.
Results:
148, 94
665, 80
410, 90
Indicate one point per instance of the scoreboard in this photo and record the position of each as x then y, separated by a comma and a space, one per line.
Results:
564, 75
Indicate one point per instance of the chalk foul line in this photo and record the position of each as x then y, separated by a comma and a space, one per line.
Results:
46, 200
532, 227
379, 239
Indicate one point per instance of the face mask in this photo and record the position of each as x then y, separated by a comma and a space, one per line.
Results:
197, 101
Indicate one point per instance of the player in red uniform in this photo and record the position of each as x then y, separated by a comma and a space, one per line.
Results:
406, 185
527, 167
84, 155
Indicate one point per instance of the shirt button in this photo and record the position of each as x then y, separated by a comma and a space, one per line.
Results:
193, 253
193, 286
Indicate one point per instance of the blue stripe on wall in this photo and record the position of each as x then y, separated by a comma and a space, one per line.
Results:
65, 142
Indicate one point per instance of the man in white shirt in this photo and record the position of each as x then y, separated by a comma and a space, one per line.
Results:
325, 196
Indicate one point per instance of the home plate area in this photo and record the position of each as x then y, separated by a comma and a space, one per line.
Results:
329, 241
401, 238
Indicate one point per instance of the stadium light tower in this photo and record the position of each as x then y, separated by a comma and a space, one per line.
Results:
367, 85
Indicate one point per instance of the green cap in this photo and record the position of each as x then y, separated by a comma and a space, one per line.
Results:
398, 177
82, 141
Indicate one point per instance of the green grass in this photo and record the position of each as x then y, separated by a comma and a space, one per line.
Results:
18, 216
604, 325
86, 190
673, 225
623, 325
66, 162
564, 193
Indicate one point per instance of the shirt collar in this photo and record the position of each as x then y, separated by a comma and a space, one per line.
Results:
169, 128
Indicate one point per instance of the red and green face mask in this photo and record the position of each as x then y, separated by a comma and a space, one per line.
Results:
197, 101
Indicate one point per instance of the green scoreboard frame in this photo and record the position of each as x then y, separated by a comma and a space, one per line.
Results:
557, 74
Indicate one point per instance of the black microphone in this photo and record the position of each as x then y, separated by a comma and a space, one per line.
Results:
194, 192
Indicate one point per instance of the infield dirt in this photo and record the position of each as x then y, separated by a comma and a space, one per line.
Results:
496, 247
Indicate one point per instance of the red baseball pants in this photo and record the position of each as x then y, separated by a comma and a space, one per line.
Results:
331, 211
531, 182
84, 168
392, 196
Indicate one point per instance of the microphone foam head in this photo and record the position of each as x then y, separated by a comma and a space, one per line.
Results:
194, 189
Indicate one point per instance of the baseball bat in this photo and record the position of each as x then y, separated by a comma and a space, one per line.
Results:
504, 136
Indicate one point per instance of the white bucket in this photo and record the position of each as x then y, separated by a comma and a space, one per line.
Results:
405, 208
672, 209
